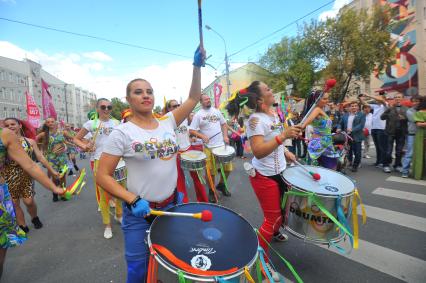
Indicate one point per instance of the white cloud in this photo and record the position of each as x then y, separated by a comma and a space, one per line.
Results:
97, 55
338, 4
172, 80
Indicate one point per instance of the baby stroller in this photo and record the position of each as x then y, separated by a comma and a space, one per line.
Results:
341, 146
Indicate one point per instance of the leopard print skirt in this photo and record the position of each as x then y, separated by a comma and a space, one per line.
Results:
19, 182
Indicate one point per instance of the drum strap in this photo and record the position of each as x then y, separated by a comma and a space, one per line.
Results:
188, 268
225, 181
355, 215
287, 263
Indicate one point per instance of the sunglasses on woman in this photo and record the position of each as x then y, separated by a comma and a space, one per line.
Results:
174, 106
104, 107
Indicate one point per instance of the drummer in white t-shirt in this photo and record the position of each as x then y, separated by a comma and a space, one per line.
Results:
149, 148
100, 128
209, 125
266, 134
182, 138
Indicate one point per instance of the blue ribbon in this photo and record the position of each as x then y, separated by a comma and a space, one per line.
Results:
262, 260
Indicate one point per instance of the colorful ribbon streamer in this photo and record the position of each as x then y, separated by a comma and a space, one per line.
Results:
355, 216
69, 191
288, 264
64, 170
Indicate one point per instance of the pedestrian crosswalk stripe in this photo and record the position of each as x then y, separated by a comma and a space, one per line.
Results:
400, 194
393, 263
394, 217
406, 181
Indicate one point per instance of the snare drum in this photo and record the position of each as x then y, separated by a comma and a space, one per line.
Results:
302, 217
226, 245
193, 160
224, 154
120, 171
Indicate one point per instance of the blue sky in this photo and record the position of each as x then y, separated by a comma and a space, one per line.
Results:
168, 25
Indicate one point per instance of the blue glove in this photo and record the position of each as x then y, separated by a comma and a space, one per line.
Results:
140, 208
198, 58
179, 199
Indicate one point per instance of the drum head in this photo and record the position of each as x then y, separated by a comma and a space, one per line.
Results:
193, 155
226, 242
223, 150
332, 183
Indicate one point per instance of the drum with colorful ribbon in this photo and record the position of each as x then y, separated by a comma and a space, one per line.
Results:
193, 160
222, 249
120, 171
224, 154
319, 210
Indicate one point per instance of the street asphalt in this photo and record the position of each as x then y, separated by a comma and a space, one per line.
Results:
71, 248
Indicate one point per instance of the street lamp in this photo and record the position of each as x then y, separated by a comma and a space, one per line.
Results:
228, 83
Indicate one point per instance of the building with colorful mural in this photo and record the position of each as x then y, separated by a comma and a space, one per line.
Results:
407, 75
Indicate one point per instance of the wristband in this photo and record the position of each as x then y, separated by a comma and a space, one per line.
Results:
133, 203
277, 139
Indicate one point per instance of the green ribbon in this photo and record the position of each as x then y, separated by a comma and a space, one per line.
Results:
313, 198
244, 102
288, 264
258, 271
200, 177
181, 277
224, 177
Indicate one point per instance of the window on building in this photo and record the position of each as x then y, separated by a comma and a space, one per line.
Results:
10, 77
2, 90
2, 75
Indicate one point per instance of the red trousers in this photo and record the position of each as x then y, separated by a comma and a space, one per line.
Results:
200, 191
269, 195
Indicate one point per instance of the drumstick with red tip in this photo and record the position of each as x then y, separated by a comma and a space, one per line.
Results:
315, 176
205, 215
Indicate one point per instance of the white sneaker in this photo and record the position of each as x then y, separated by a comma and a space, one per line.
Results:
275, 276
108, 233
111, 203
367, 156
118, 219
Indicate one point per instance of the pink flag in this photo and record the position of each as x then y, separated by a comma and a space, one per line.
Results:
217, 91
48, 108
33, 113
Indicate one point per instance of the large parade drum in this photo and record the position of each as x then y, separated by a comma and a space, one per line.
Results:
203, 251
224, 154
193, 160
304, 215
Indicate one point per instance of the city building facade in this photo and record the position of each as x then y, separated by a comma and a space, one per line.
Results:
18, 77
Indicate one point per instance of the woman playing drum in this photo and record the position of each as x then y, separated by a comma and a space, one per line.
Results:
100, 128
10, 234
148, 146
266, 135
182, 137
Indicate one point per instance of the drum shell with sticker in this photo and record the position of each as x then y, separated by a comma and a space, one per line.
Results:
192, 160
120, 172
225, 242
224, 154
302, 217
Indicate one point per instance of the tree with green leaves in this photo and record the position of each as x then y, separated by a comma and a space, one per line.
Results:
351, 45
117, 107
291, 63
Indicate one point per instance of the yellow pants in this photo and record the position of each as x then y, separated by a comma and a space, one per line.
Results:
212, 163
103, 200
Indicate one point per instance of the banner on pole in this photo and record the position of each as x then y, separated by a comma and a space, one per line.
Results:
33, 114
47, 101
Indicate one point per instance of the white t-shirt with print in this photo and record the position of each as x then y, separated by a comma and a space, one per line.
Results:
261, 124
105, 129
150, 157
182, 136
209, 123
